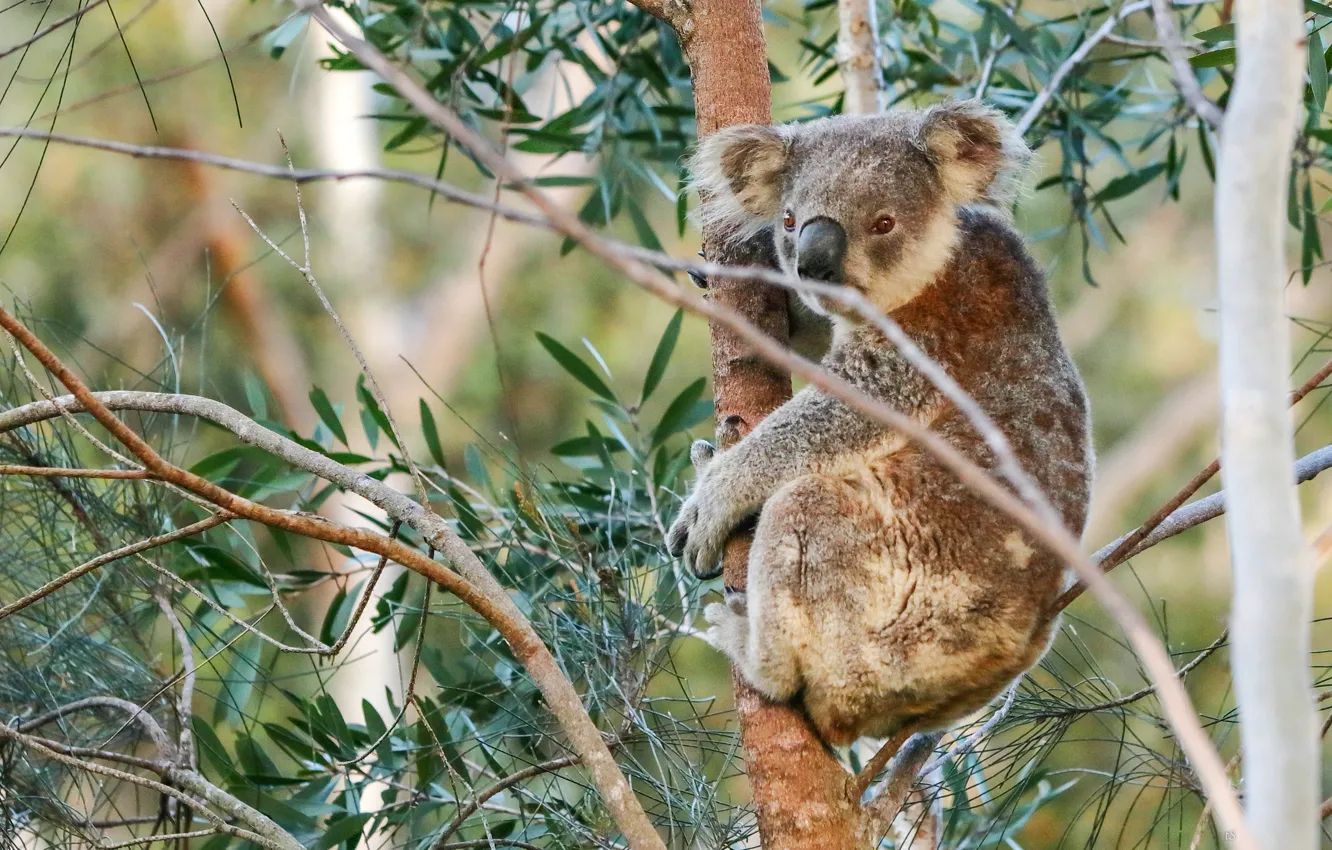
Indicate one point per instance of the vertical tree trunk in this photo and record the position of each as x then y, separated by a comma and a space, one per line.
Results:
858, 57
1272, 571
800, 791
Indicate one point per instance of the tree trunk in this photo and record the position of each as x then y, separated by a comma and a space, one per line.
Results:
1273, 574
858, 57
800, 791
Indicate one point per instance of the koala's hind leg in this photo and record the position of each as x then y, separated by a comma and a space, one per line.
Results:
802, 532
807, 587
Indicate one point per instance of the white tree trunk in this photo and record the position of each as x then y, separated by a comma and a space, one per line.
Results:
858, 56
1272, 570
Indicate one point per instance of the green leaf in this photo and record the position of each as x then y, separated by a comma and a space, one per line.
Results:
254, 394
1317, 70
1127, 184
642, 227
672, 421
1214, 58
1225, 32
238, 683
575, 366
661, 358
327, 414
1012, 29
431, 434
476, 467
277, 41
585, 447
1318, 8
372, 408
339, 831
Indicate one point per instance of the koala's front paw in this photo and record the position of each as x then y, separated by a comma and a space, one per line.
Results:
730, 629
699, 533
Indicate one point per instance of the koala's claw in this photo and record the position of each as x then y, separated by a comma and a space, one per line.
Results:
697, 536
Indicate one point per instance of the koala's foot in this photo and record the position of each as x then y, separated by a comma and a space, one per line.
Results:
730, 629
699, 533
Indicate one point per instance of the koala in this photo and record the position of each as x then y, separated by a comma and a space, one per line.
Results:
883, 594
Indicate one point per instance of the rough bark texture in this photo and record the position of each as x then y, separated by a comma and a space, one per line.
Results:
1273, 572
800, 792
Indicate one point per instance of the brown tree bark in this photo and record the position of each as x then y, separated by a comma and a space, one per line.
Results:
802, 795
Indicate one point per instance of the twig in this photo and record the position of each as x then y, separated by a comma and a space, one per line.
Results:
879, 761
966, 745
1182, 519
166, 790
186, 754
115, 555
901, 781
1074, 710
1056, 80
38, 36
65, 472
299, 175
411, 683
1168, 34
1127, 546
136, 713
468, 809
153, 839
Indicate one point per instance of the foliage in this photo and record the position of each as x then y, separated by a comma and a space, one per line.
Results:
582, 557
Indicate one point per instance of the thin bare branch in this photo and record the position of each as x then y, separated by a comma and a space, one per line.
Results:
43, 33
65, 472
1168, 34
468, 809
1181, 520
299, 175
902, 776
115, 555
155, 839
959, 750
1051, 88
879, 761
136, 714
185, 752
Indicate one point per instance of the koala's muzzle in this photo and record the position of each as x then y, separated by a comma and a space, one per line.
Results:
821, 249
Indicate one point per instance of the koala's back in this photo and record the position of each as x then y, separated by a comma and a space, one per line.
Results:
909, 599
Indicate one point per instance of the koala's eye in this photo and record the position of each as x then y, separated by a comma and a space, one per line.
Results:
883, 224
788, 220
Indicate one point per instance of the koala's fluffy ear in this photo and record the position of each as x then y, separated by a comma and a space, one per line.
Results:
738, 174
980, 155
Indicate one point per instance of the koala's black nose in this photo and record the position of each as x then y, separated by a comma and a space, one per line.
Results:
821, 249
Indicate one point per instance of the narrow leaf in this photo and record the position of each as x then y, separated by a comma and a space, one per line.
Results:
575, 366
662, 356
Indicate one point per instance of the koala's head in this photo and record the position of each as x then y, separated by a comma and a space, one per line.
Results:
868, 202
